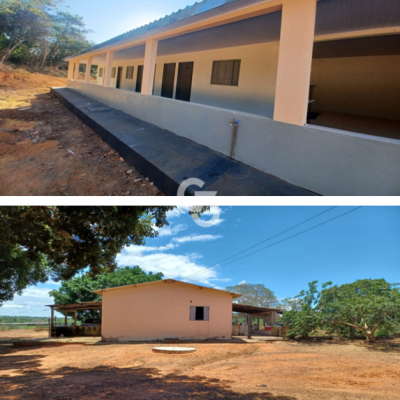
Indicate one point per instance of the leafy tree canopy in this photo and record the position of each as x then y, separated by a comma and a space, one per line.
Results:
254, 295
42, 242
37, 33
365, 305
80, 289
17, 271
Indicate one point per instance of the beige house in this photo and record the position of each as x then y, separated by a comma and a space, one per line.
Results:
315, 86
166, 309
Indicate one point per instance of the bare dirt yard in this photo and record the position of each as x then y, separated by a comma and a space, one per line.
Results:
46, 151
256, 371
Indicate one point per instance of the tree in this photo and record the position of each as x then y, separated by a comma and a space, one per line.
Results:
69, 37
254, 295
24, 21
302, 316
17, 271
80, 289
37, 33
42, 242
365, 305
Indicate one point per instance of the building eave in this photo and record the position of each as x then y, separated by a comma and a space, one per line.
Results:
166, 281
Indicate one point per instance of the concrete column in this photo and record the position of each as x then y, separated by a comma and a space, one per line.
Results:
88, 69
295, 58
76, 74
108, 69
70, 74
149, 69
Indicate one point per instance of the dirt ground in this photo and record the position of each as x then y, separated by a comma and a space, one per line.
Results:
260, 371
46, 151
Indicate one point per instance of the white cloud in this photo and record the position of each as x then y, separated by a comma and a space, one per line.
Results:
171, 265
177, 212
172, 230
184, 210
32, 303
197, 238
242, 283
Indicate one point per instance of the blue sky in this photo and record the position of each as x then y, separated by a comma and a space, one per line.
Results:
363, 244
111, 18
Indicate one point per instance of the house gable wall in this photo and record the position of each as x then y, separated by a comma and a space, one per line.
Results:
159, 311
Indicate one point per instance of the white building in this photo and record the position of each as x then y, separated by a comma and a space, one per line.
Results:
256, 60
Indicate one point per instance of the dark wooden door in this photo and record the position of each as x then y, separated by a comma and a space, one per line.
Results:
139, 80
119, 77
167, 89
184, 85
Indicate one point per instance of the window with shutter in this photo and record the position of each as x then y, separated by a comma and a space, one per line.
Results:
199, 313
206, 313
101, 72
129, 73
113, 72
192, 313
226, 73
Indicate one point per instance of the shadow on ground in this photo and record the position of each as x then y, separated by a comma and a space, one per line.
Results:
127, 383
14, 362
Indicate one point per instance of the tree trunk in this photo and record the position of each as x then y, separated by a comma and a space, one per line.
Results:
9, 53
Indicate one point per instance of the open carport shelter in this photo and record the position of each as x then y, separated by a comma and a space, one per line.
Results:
268, 315
74, 330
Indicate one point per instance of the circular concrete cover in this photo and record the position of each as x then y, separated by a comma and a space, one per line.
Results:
174, 350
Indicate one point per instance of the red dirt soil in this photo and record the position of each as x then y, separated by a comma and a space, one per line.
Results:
45, 150
289, 371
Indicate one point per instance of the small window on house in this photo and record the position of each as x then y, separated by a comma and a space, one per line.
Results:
226, 73
113, 72
101, 72
129, 73
199, 313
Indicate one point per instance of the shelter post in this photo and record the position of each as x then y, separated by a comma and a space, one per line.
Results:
249, 324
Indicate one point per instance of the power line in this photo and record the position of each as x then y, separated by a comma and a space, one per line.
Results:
284, 240
264, 241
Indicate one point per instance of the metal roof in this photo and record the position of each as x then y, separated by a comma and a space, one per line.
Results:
166, 281
97, 305
253, 310
189, 11
333, 16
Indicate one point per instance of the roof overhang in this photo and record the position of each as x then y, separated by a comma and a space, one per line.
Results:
77, 307
166, 281
252, 310
231, 11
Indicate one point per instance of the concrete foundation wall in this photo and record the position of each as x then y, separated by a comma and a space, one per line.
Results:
328, 162
160, 311
362, 86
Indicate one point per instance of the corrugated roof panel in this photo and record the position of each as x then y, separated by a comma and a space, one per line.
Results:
336, 16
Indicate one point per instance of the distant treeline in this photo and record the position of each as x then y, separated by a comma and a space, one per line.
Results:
37, 34
21, 320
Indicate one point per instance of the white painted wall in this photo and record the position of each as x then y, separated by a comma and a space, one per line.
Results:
328, 162
362, 86
255, 93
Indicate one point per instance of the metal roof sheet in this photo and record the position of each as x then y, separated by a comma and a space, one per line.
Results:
189, 11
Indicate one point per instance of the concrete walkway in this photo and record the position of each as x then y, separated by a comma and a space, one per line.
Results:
168, 159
